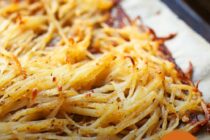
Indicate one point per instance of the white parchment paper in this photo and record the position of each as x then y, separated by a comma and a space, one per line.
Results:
187, 47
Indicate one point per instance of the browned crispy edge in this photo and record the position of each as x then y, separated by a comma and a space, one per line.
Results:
118, 19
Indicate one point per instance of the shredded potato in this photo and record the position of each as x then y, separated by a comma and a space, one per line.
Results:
66, 73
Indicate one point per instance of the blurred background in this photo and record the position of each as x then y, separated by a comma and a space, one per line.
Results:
196, 13
202, 7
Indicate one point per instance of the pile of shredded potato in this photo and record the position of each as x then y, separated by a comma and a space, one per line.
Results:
65, 73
